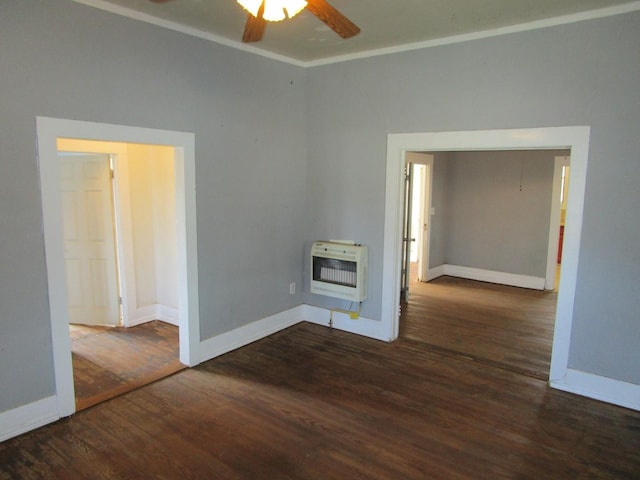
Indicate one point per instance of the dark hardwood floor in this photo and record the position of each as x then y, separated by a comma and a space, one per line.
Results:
110, 361
505, 327
314, 403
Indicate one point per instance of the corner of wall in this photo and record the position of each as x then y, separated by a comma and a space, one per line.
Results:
239, 337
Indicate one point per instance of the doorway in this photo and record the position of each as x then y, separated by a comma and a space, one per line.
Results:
492, 212
416, 220
119, 197
494, 209
561, 176
575, 139
49, 130
142, 224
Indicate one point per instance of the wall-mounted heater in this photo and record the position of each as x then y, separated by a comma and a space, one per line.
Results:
339, 270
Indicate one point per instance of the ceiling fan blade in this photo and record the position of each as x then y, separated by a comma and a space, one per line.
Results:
254, 28
333, 18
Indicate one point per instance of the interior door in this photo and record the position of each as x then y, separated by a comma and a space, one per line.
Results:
89, 240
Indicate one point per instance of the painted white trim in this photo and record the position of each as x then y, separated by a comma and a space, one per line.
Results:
435, 272
600, 388
187, 249
48, 130
495, 32
574, 138
492, 276
341, 321
167, 314
42, 412
191, 31
140, 315
28, 417
239, 337
149, 313
393, 223
522, 27
571, 254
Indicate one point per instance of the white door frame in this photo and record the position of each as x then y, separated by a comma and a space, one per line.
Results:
574, 138
48, 131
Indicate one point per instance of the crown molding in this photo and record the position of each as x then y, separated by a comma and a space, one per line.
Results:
521, 27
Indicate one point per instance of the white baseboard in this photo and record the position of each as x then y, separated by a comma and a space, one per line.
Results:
34, 415
149, 313
502, 278
28, 417
141, 315
167, 314
341, 321
600, 388
434, 273
226, 342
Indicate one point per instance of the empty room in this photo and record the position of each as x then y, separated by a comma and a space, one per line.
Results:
289, 140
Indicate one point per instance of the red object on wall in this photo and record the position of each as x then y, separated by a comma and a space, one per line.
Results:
560, 244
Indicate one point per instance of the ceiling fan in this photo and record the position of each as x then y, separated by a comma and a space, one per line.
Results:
260, 12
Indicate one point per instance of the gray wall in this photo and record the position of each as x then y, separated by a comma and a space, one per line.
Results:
439, 200
579, 74
62, 59
498, 206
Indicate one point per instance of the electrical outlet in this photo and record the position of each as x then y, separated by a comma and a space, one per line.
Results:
292, 288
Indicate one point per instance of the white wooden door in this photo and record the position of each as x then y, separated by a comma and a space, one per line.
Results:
89, 240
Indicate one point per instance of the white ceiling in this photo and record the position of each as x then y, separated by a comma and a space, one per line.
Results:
387, 25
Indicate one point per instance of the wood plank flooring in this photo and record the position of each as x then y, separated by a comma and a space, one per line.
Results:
110, 361
314, 403
506, 327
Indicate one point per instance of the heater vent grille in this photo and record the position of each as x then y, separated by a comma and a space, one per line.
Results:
339, 270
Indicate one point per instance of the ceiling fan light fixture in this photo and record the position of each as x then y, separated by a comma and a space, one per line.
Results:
274, 10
